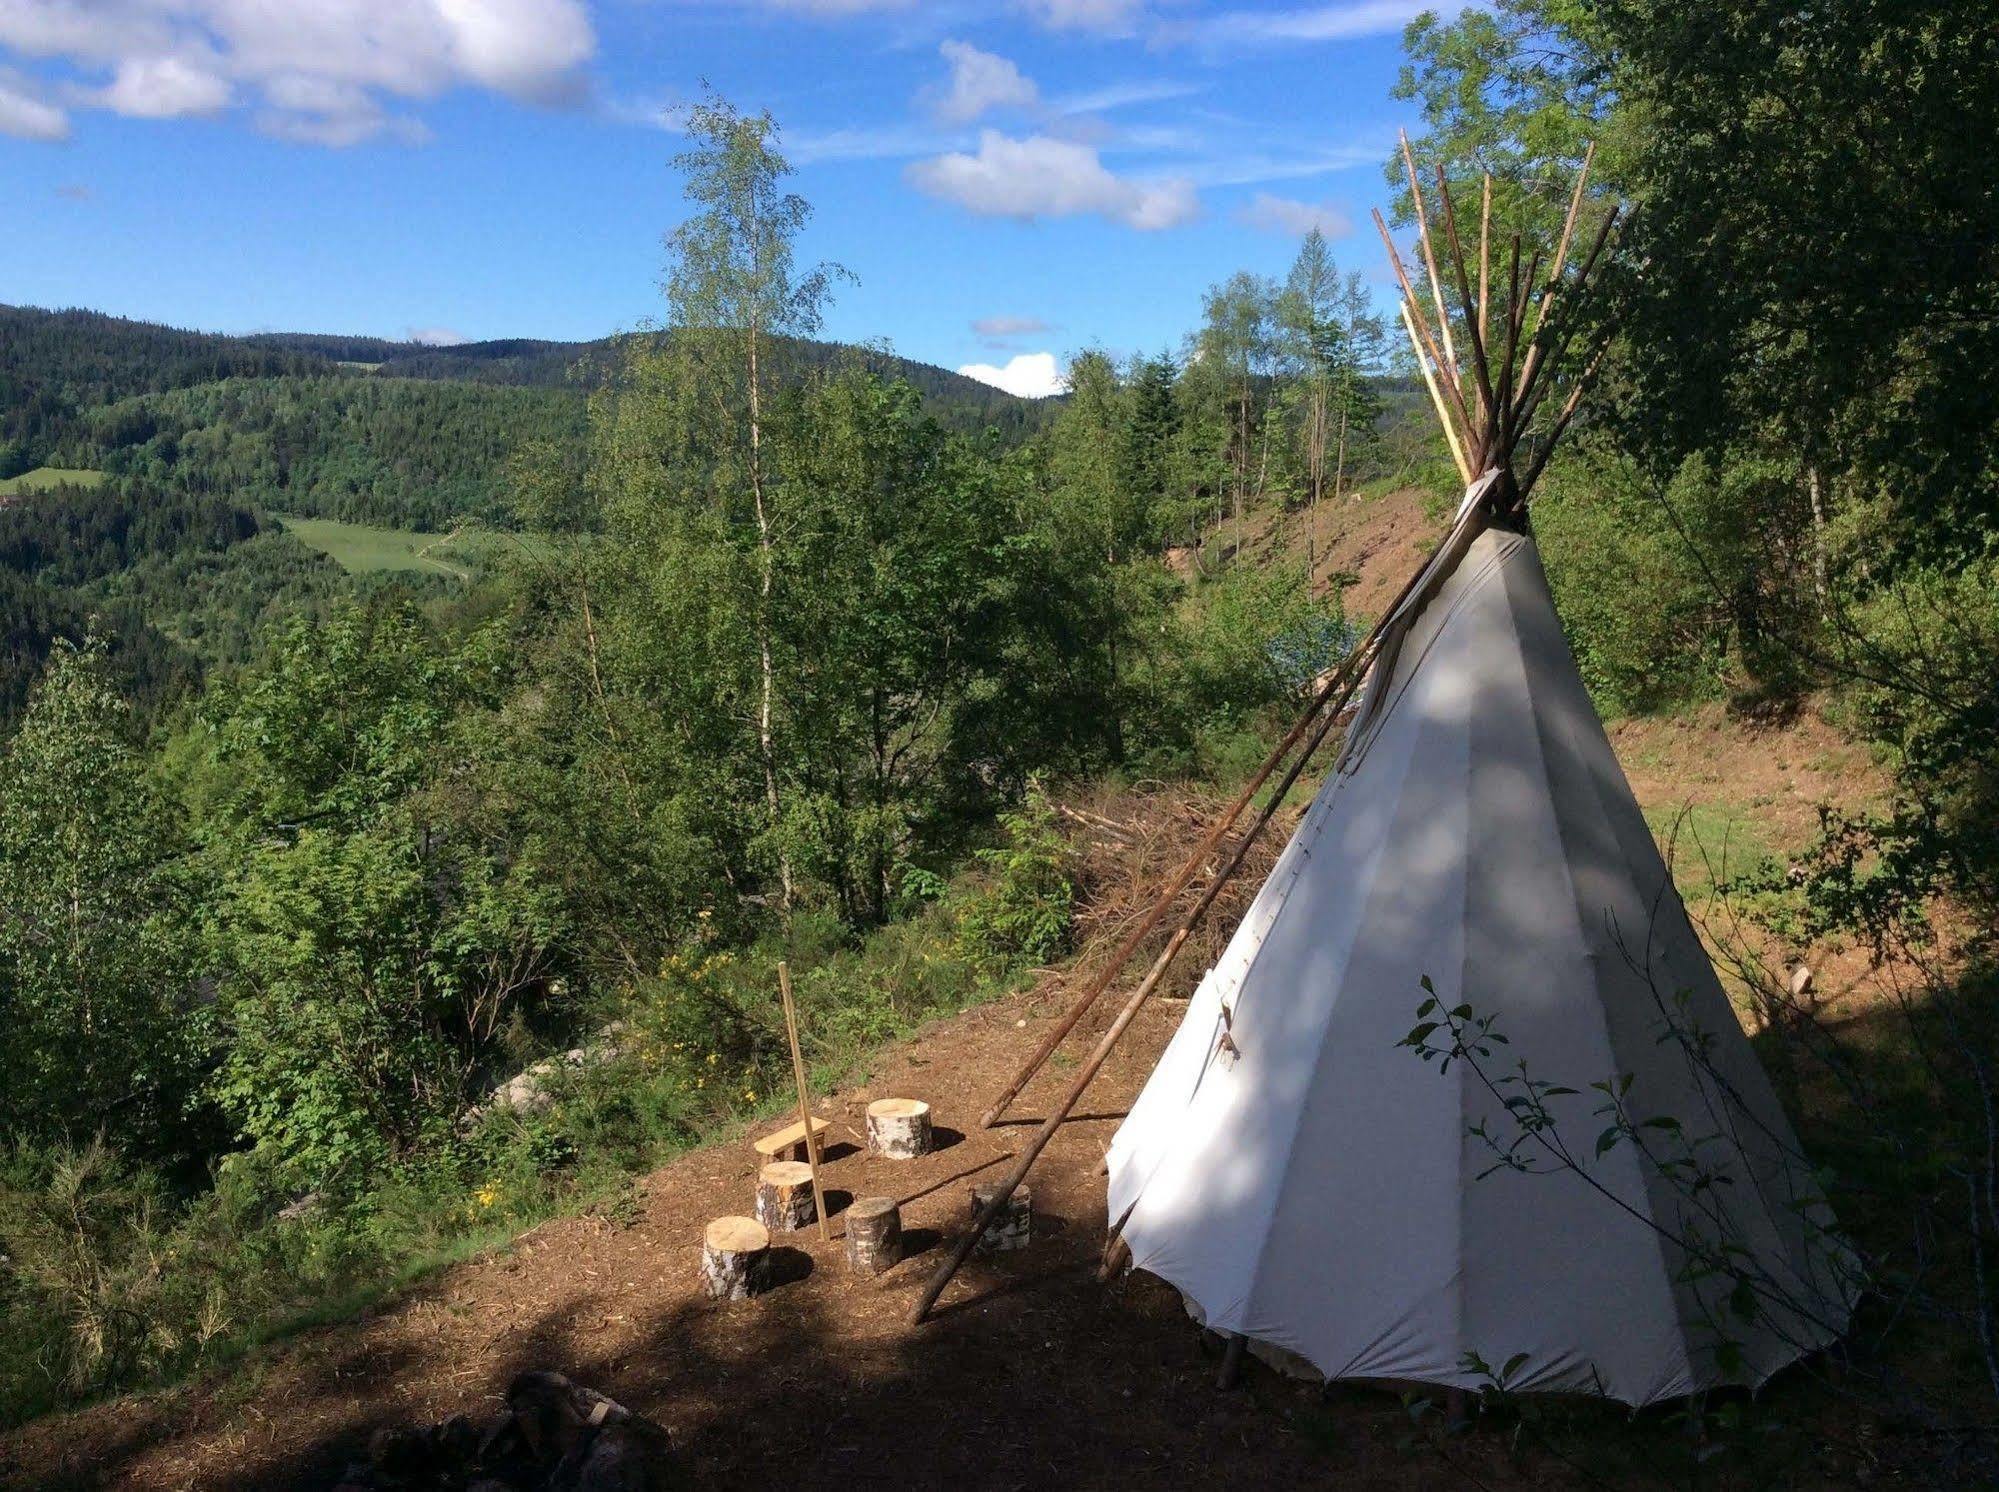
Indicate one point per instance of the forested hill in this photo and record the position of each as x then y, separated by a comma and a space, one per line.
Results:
56, 366
521, 361
145, 472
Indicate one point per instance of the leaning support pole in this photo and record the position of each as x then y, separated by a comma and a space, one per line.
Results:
1159, 908
1231, 1368
1437, 399
1094, 1064
804, 1096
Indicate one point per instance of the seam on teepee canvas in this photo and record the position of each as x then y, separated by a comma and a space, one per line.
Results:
1372, 718
1657, 1238
1472, 584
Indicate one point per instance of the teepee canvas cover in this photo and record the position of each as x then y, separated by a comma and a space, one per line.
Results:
1311, 1184
1293, 1166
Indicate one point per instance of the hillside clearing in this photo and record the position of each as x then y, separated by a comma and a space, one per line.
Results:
363, 549
47, 479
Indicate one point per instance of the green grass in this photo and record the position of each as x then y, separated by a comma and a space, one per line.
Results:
44, 478
1709, 842
362, 549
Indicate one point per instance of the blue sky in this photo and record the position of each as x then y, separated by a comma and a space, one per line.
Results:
1007, 178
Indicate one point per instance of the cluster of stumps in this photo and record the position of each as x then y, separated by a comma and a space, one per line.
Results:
736, 1250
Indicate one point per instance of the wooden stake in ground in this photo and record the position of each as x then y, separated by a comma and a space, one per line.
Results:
804, 1099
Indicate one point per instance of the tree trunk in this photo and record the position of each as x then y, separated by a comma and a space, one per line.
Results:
899, 1128
1315, 477
1815, 488
766, 583
784, 1196
874, 1235
735, 1258
1340, 464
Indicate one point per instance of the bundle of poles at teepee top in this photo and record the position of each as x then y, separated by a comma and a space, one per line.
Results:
1488, 407
1488, 413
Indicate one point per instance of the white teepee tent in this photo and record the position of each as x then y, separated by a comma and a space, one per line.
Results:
1587, 1185
1310, 1184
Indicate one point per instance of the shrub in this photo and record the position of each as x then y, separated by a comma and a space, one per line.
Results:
1021, 915
88, 1294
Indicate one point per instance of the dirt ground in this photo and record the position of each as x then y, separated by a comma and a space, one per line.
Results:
1029, 1374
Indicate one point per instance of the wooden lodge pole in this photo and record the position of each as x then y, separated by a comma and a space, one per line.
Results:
1094, 1063
1159, 908
1488, 406
1437, 399
1443, 306
1484, 252
804, 1099
1418, 323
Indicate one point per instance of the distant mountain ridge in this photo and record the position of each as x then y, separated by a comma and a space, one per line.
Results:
55, 363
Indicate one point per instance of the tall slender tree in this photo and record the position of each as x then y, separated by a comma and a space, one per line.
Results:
1331, 340
731, 278
1236, 340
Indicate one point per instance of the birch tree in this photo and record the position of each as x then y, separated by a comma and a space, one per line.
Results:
733, 292
1237, 344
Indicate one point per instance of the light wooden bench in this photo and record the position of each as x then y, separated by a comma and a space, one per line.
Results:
789, 1143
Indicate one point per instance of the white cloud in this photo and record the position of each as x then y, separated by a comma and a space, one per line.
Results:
1031, 375
1290, 216
1309, 23
1010, 326
164, 88
1120, 95
1084, 15
1040, 177
979, 81
434, 336
526, 49
26, 115
324, 71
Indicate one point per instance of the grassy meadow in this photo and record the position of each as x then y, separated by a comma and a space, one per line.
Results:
47, 478
363, 549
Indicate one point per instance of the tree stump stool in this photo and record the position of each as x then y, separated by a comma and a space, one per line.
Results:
735, 1258
784, 1196
1010, 1229
874, 1235
899, 1128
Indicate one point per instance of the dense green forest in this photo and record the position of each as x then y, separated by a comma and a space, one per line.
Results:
794, 643
358, 430
61, 370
